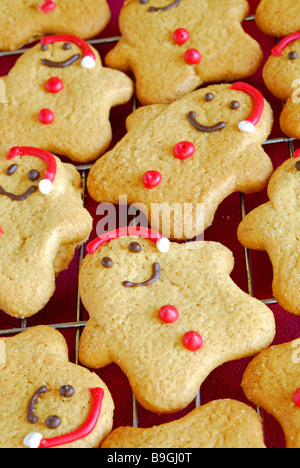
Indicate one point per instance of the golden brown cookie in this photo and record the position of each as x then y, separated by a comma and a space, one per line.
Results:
282, 77
58, 97
274, 227
271, 381
42, 221
24, 21
278, 17
179, 161
167, 314
46, 401
173, 47
219, 424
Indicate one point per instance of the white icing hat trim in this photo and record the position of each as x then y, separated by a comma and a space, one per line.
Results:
88, 62
163, 245
246, 126
32, 440
45, 186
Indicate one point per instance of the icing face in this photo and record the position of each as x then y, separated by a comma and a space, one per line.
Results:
33, 175
67, 47
88, 59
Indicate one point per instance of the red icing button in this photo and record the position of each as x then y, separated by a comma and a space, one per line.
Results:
151, 179
192, 341
54, 85
296, 397
181, 36
184, 150
47, 6
46, 116
192, 56
168, 314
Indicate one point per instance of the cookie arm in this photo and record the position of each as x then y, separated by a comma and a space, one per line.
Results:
252, 231
93, 352
117, 57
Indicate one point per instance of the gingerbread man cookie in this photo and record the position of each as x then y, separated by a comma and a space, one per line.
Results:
219, 424
166, 314
24, 21
173, 47
272, 381
278, 17
42, 221
282, 77
59, 98
188, 156
274, 227
46, 401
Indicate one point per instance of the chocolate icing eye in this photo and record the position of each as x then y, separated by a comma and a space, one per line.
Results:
66, 46
135, 247
66, 391
293, 55
234, 105
209, 97
143, 1
297, 165
44, 47
53, 422
11, 169
107, 262
33, 175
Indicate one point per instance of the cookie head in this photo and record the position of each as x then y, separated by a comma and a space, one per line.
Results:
83, 52
283, 67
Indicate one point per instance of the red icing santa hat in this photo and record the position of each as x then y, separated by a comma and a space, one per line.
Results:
88, 60
162, 243
248, 125
277, 51
46, 184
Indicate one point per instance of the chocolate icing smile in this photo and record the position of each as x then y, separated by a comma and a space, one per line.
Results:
192, 118
154, 277
174, 4
21, 197
64, 64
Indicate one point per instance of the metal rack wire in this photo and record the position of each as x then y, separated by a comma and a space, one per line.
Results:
84, 169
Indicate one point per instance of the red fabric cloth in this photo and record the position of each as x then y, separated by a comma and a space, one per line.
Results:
223, 382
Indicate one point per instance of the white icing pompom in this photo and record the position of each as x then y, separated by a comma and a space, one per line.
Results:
45, 186
163, 245
33, 440
88, 62
246, 126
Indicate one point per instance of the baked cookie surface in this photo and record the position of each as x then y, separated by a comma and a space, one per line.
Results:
24, 21
39, 231
174, 47
58, 97
278, 17
273, 227
45, 398
188, 155
219, 424
166, 318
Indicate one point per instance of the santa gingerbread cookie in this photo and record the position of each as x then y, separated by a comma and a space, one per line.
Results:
187, 157
274, 227
278, 17
46, 401
24, 21
272, 381
219, 424
282, 77
173, 47
58, 97
166, 314
42, 221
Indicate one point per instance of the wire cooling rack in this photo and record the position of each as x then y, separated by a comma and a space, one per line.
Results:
79, 323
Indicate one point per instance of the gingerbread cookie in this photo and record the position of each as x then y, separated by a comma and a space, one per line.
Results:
58, 97
173, 47
25, 21
281, 75
278, 17
166, 314
219, 424
42, 221
188, 156
271, 381
46, 401
274, 227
